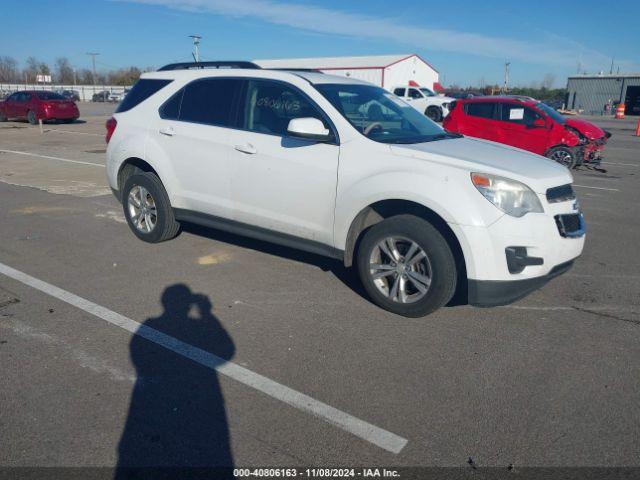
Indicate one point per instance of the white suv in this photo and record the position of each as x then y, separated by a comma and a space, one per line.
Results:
341, 168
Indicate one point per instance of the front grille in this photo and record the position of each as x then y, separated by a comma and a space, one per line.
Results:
560, 194
570, 225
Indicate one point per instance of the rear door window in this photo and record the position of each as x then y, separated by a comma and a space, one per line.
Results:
210, 101
480, 109
399, 92
142, 90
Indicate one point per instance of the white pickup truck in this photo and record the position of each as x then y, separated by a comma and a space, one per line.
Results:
424, 100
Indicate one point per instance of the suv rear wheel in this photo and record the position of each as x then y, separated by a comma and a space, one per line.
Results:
147, 208
406, 266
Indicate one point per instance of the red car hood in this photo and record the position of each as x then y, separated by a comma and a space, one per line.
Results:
587, 129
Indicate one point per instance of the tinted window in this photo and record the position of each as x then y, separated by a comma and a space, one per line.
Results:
171, 108
517, 113
209, 101
142, 90
270, 106
399, 92
480, 109
413, 93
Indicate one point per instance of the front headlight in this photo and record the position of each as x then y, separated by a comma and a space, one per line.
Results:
512, 197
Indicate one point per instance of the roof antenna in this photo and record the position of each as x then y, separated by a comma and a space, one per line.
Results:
196, 43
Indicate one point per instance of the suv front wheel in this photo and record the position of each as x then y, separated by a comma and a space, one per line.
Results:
147, 208
406, 266
566, 156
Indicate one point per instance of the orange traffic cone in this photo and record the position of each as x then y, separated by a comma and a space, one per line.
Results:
638, 129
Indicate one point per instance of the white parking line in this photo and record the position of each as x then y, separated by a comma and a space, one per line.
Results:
52, 158
621, 164
597, 188
364, 430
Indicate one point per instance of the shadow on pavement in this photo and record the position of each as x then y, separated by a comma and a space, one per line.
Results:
177, 423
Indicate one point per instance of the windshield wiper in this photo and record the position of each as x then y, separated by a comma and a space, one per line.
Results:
425, 139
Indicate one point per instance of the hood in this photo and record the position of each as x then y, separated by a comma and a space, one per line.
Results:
588, 129
441, 99
482, 156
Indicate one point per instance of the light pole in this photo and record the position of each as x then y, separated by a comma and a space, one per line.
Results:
93, 60
505, 88
196, 43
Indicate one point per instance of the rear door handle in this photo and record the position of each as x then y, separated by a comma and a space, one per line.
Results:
168, 131
246, 148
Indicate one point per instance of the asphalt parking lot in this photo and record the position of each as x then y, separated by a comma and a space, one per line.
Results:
273, 357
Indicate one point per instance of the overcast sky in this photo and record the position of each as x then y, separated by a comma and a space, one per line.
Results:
467, 41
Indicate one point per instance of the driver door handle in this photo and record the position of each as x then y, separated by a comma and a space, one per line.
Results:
246, 148
168, 131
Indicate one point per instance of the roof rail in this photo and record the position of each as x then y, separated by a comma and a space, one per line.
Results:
196, 65
311, 70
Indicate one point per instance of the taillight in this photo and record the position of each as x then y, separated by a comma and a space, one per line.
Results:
111, 127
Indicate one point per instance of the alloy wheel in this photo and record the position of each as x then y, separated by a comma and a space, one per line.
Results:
563, 157
400, 269
142, 209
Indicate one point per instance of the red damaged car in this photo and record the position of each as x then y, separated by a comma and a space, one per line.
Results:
38, 105
530, 125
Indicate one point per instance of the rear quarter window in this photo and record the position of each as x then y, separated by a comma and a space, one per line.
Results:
142, 90
480, 109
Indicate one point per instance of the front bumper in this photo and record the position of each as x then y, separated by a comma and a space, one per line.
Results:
592, 153
543, 245
493, 293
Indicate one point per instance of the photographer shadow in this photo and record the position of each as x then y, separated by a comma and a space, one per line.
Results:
177, 423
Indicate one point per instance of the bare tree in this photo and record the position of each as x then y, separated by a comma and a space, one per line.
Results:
43, 68
64, 70
85, 76
124, 76
31, 69
9, 69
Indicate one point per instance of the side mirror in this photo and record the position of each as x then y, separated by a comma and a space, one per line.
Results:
309, 128
538, 123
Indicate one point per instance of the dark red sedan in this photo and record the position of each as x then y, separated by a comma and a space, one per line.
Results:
530, 125
38, 105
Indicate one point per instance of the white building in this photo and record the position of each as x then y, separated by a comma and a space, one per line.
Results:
386, 71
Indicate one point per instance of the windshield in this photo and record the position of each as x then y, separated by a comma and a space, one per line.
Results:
551, 112
427, 92
50, 96
380, 115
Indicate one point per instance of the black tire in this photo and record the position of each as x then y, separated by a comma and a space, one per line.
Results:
441, 261
31, 117
3, 117
166, 227
566, 156
434, 113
